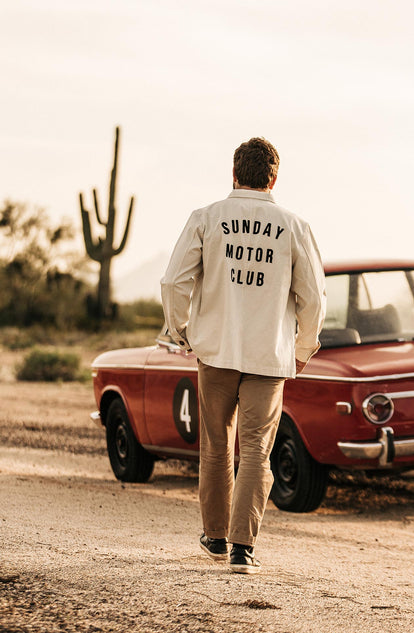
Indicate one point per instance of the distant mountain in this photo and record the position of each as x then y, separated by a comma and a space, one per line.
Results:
143, 282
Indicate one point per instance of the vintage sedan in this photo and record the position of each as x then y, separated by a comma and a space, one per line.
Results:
352, 407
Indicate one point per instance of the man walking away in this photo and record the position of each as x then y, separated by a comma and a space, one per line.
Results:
244, 290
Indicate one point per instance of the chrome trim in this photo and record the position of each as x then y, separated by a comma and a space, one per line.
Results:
146, 367
404, 447
386, 440
355, 380
116, 366
385, 446
96, 418
397, 395
172, 367
166, 449
407, 394
365, 408
346, 405
355, 450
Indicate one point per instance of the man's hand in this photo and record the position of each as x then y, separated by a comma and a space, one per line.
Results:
300, 366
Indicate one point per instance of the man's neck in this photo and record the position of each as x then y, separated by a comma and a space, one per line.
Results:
237, 186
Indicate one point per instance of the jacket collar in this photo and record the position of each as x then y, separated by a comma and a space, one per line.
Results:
251, 193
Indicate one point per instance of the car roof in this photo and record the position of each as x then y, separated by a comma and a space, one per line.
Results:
367, 266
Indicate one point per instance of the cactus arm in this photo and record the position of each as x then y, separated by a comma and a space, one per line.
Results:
96, 205
93, 250
124, 239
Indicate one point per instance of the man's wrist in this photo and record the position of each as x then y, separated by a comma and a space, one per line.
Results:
300, 365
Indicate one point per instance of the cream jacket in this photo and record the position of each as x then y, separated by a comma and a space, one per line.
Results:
245, 287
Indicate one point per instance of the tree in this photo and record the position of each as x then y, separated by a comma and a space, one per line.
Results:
103, 250
39, 270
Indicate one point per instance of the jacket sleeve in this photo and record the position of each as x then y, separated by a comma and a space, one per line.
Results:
308, 284
185, 265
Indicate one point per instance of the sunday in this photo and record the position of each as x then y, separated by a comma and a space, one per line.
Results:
255, 227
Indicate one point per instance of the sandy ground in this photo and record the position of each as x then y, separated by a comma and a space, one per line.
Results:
82, 552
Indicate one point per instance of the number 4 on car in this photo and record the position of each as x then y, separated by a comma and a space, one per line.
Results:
352, 407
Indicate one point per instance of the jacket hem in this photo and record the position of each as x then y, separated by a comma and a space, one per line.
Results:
274, 372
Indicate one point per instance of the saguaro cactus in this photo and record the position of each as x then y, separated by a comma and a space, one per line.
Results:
103, 250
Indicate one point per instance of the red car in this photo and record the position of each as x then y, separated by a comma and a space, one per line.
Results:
352, 408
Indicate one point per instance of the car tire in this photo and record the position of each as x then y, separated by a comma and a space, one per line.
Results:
129, 460
299, 481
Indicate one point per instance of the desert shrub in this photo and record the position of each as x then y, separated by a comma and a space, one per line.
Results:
14, 338
50, 366
37, 337
126, 317
144, 313
42, 278
116, 339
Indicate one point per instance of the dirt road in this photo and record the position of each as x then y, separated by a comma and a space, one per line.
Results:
82, 552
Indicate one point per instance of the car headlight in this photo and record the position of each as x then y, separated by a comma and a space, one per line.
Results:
378, 408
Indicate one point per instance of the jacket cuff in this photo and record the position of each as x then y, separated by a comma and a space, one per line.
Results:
181, 339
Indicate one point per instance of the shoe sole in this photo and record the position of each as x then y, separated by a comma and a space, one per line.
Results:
245, 569
212, 555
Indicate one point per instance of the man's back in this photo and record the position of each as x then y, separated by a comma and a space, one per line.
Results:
254, 254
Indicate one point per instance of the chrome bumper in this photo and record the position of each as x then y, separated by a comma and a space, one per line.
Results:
385, 449
96, 417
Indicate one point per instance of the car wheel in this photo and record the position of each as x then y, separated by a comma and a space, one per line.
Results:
129, 460
300, 481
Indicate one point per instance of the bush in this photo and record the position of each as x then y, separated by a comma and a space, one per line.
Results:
42, 279
15, 338
141, 314
49, 366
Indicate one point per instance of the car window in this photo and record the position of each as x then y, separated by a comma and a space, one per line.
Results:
337, 291
369, 307
363, 297
391, 288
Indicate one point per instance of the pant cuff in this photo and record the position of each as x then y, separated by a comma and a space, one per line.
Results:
220, 533
249, 541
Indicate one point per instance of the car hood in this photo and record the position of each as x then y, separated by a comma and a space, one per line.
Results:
133, 357
364, 360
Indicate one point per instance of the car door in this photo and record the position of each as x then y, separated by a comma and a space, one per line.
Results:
170, 402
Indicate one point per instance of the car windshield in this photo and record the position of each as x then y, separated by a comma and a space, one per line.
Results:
368, 307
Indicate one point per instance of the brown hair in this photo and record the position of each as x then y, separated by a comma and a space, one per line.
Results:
256, 163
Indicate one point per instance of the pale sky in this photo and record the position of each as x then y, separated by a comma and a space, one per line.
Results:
329, 83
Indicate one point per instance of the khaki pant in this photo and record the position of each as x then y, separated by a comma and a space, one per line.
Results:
229, 508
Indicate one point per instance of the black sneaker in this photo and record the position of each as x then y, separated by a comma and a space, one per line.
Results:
242, 560
217, 548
